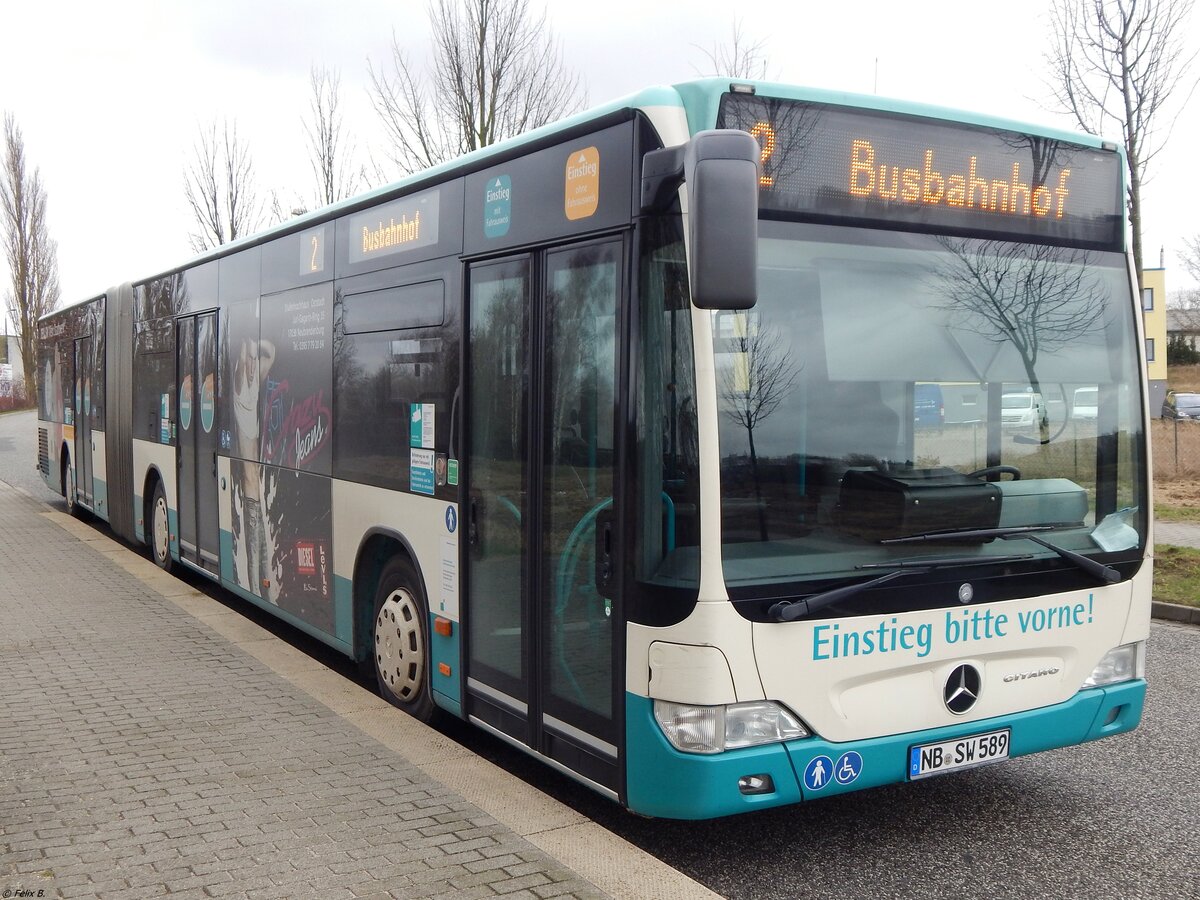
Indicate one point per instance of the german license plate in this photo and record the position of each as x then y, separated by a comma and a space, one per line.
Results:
961, 753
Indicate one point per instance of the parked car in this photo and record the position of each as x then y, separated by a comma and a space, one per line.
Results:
1022, 410
1085, 402
1181, 405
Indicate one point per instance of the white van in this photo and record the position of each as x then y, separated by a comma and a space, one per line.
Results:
1084, 404
1023, 410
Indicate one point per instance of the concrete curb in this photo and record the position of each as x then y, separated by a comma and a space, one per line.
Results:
610, 863
1173, 612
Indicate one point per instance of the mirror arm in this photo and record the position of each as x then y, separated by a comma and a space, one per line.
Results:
662, 174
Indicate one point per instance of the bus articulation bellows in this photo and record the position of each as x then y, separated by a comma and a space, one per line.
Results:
609, 439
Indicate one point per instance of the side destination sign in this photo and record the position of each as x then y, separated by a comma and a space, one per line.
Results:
394, 228
833, 162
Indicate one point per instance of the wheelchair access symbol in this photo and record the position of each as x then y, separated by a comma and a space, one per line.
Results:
848, 767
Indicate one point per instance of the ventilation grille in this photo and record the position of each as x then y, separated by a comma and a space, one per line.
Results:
43, 452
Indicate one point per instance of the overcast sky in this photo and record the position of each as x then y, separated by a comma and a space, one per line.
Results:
109, 94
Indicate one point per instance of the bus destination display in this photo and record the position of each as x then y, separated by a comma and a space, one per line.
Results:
840, 163
399, 226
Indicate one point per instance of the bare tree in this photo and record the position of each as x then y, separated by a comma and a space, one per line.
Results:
1116, 64
220, 188
331, 149
761, 376
1189, 298
31, 254
496, 71
740, 58
1190, 256
1034, 298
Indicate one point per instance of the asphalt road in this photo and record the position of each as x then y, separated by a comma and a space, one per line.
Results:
1116, 818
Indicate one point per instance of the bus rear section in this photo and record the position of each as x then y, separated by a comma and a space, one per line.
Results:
72, 407
867, 600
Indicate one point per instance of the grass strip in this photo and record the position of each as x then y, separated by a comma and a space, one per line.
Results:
1177, 575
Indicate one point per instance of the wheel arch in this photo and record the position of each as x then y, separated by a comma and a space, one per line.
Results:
64, 463
377, 547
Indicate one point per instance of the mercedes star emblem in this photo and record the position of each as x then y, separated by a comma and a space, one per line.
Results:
962, 689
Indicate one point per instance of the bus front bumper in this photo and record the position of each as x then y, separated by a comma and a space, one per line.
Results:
663, 782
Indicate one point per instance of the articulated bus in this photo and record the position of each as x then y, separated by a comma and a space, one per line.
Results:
604, 439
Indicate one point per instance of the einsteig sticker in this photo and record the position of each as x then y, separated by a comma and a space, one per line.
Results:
582, 189
497, 206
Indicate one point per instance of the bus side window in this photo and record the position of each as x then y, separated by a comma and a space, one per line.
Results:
668, 486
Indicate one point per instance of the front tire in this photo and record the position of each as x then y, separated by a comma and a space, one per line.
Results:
160, 530
70, 489
401, 640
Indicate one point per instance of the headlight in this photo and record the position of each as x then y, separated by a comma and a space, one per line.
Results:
713, 729
1119, 664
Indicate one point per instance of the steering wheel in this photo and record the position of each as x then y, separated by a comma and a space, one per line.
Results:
997, 470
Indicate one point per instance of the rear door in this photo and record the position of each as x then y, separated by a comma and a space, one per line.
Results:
196, 452
82, 451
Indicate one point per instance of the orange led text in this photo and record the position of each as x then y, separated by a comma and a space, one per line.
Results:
935, 186
394, 234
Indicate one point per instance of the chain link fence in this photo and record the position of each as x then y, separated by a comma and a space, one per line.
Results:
1176, 447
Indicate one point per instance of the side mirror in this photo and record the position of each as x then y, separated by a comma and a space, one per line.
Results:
720, 169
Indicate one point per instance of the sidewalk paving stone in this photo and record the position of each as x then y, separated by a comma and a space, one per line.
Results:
143, 754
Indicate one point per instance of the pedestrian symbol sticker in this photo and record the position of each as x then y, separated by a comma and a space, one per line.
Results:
848, 767
451, 519
818, 773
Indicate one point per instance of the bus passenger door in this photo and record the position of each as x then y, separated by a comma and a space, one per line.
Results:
82, 451
196, 452
544, 497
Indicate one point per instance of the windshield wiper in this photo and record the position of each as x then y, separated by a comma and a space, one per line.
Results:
1107, 574
968, 533
1104, 573
790, 610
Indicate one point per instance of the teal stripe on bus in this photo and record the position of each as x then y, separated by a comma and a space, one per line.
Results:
446, 650
702, 98
343, 609
664, 782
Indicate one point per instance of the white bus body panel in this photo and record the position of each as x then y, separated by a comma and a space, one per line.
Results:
424, 523
99, 474
832, 674
149, 455
713, 624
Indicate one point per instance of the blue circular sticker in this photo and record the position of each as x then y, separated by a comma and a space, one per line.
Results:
848, 767
451, 519
818, 772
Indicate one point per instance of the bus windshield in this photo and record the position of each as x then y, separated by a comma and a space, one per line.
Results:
827, 461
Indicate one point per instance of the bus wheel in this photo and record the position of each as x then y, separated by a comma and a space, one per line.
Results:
401, 642
160, 530
70, 491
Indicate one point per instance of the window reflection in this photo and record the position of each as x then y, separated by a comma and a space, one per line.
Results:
924, 360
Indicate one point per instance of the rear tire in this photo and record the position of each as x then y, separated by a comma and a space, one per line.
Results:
160, 530
400, 641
